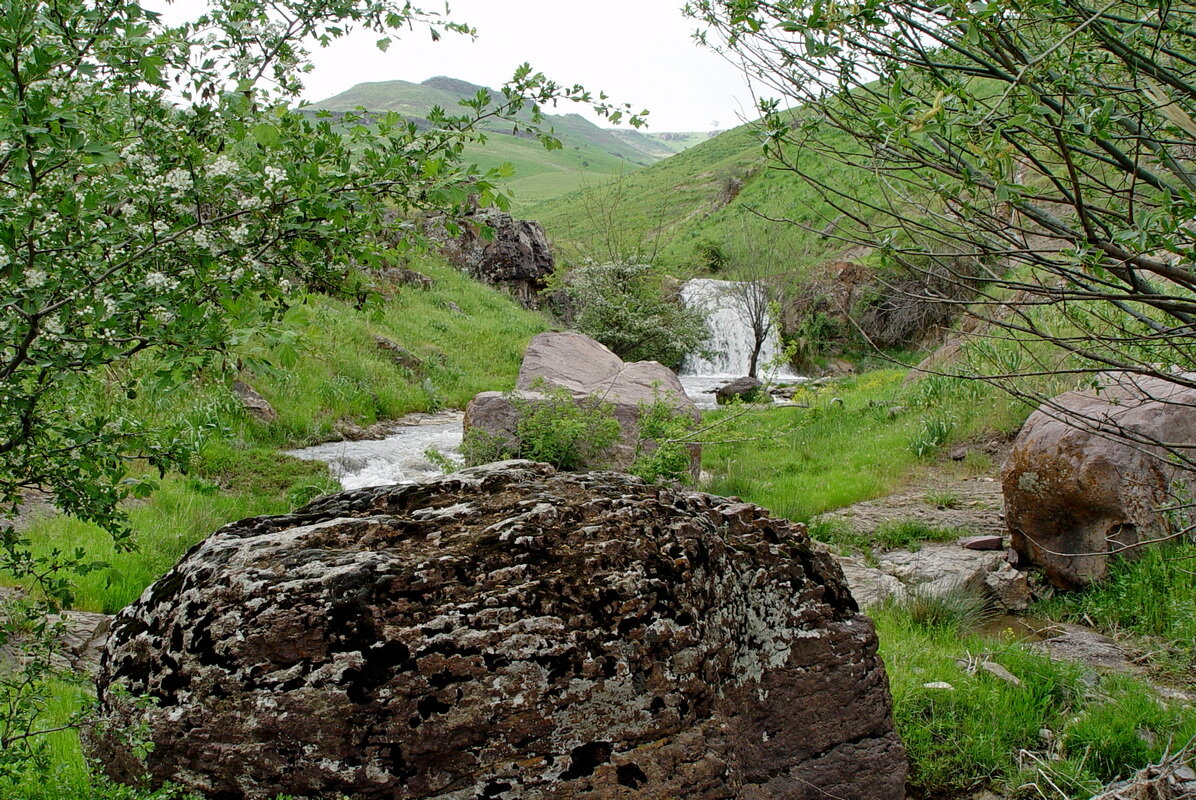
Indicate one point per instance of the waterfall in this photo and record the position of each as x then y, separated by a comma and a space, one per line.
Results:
731, 338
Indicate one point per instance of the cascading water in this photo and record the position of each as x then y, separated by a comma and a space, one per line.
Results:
398, 458
731, 340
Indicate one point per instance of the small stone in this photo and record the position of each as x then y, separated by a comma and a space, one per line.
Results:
1010, 587
996, 669
254, 403
943, 685
981, 543
959, 454
399, 354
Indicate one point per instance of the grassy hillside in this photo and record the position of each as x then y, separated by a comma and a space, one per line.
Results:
590, 155
697, 205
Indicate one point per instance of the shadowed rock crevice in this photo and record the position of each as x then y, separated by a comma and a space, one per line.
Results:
505, 632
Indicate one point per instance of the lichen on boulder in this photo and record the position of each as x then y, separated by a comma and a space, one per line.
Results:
1090, 477
504, 632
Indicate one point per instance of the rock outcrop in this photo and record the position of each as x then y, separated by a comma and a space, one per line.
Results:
588, 370
78, 636
937, 570
505, 632
1077, 492
254, 404
517, 257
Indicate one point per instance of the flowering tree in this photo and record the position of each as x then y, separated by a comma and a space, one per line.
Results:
155, 184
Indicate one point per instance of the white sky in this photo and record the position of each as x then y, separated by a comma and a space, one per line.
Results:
637, 51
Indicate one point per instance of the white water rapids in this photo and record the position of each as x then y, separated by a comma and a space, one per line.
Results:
398, 458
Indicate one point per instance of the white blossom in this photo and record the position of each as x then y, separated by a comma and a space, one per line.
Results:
223, 167
272, 176
156, 280
202, 239
35, 278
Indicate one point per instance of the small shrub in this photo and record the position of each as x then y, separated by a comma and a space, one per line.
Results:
662, 451
621, 305
439, 460
480, 446
557, 429
955, 610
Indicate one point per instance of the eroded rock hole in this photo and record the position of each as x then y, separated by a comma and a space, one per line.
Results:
586, 759
631, 775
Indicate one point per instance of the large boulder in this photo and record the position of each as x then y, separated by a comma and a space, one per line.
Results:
589, 371
518, 256
504, 632
1077, 491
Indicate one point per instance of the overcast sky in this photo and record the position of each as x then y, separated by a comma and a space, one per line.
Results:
637, 51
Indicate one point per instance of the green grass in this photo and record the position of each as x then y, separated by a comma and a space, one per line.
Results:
846, 447
676, 201
183, 511
908, 533
1153, 597
969, 738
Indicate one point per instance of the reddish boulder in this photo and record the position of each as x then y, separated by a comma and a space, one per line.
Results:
1083, 481
504, 632
589, 371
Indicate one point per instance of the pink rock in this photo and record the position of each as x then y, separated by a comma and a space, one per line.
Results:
981, 543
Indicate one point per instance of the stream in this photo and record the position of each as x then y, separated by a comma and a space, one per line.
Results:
399, 457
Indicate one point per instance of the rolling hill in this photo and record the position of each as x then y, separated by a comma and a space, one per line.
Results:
590, 154
694, 210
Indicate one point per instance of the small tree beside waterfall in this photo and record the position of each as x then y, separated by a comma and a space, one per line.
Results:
742, 324
754, 307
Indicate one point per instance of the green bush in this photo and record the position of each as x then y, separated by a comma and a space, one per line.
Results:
662, 451
621, 305
558, 429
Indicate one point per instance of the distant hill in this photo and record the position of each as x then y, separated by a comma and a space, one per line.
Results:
590, 154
